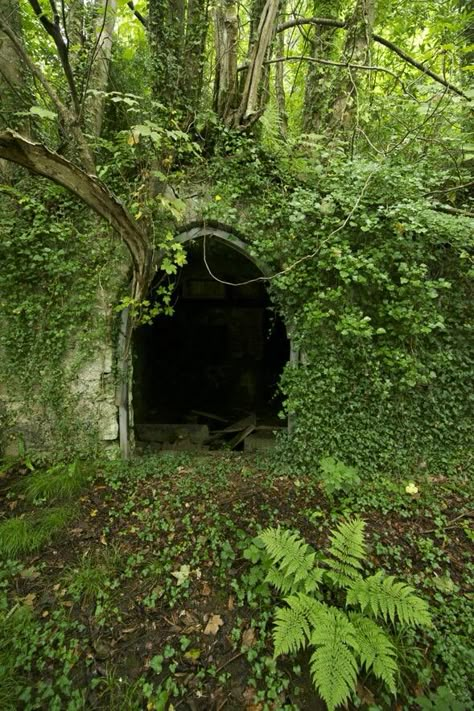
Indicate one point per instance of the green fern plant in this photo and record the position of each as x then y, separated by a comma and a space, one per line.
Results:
343, 642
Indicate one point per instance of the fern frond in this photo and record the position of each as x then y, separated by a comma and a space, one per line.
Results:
385, 597
293, 557
286, 584
376, 651
293, 624
333, 664
347, 551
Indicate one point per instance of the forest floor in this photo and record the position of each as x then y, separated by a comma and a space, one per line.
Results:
127, 586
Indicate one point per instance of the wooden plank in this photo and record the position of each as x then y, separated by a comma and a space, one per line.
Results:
240, 436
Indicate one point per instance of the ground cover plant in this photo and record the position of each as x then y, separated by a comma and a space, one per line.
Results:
152, 593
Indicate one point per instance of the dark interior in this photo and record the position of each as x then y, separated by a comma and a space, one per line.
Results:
221, 353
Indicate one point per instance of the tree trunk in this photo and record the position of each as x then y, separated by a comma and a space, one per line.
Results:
280, 90
105, 14
253, 100
317, 86
356, 51
13, 93
226, 96
194, 53
166, 32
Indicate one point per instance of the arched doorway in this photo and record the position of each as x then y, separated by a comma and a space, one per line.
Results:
208, 375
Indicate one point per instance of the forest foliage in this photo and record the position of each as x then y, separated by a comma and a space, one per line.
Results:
336, 138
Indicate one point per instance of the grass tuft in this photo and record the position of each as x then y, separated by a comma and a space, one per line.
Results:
63, 481
93, 575
26, 534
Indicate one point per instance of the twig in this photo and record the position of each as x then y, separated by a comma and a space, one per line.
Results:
452, 523
229, 661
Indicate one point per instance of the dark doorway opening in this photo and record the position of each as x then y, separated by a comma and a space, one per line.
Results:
214, 365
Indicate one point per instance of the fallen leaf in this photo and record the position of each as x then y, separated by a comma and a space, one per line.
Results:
213, 624
29, 599
182, 574
102, 540
230, 602
29, 574
93, 513
248, 637
45, 613
206, 589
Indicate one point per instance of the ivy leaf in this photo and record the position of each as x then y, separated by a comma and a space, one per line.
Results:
43, 113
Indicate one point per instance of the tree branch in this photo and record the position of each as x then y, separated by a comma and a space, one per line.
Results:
329, 22
330, 63
54, 30
138, 14
67, 117
40, 161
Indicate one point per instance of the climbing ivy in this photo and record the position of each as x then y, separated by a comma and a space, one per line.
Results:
375, 286
58, 266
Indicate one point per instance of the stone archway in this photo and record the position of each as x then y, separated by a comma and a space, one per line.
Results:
237, 311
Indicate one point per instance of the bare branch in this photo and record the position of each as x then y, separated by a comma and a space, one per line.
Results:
138, 14
329, 22
330, 63
54, 30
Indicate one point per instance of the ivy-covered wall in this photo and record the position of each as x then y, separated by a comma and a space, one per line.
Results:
377, 289
59, 284
375, 286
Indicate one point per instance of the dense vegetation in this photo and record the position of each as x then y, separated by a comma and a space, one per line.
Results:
336, 138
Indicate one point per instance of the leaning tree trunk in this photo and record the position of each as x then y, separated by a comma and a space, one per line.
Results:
317, 85
356, 51
254, 96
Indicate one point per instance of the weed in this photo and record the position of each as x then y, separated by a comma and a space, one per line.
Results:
337, 477
93, 576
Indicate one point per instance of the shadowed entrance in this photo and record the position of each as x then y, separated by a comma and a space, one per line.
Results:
216, 362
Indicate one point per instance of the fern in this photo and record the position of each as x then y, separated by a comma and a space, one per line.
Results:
347, 552
376, 651
384, 597
343, 643
295, 561
333, 663
293, 624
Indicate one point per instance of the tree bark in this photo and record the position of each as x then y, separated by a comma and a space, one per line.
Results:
166, 32
226, 96
12, 80
280, 90
356, 51
317, 86
252, 103
194, 53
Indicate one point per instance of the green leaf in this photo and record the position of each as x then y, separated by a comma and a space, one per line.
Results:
43, 113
